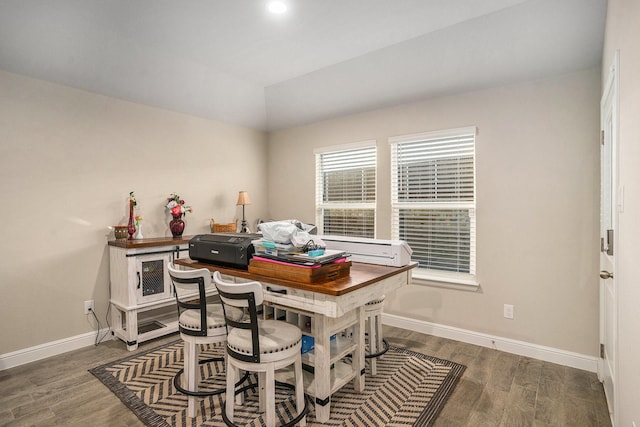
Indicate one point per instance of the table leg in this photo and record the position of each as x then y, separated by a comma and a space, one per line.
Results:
322, 358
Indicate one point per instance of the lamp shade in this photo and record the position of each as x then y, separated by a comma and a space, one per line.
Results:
243, 199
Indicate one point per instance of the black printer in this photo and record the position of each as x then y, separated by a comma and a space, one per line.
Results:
226, 249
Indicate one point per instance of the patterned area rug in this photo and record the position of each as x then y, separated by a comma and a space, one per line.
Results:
409, 389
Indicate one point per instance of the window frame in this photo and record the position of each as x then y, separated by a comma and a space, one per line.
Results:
436, 277
321, 206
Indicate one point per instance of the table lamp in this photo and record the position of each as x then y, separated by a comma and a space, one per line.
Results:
243, 199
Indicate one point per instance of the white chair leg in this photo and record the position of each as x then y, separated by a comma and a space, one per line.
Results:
270, 396
379, 344
372, 342
299, 391
237, 374
231, 381
261, 391
240, 396
358, 358
190, 375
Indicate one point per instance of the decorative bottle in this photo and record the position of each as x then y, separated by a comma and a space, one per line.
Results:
131, 226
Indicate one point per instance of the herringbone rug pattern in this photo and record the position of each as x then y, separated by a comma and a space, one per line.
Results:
409, 389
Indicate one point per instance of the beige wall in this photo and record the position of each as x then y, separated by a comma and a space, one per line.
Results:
537, 209
623, 34
68, 160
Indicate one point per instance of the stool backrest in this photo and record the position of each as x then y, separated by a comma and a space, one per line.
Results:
247, 296
189, 285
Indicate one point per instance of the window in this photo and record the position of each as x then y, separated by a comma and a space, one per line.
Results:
346, 190
433, 200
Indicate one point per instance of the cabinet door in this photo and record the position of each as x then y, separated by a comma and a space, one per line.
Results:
153, 282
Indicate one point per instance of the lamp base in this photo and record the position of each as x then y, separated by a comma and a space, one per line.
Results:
243, 226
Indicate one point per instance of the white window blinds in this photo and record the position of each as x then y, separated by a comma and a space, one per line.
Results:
433, 198
346, 190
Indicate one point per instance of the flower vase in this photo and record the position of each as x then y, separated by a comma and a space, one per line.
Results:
176, 226
138, 234
131, 228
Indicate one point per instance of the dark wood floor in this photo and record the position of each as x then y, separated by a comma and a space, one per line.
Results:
502, 389
497, 388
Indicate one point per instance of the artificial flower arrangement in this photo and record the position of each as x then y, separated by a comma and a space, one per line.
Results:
132, 198
138, 218
176, 206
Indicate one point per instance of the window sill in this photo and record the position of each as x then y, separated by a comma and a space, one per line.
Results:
464, 282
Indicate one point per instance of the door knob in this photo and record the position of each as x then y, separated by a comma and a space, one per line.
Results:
606, 275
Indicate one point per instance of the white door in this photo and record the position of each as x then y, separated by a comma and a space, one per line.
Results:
607, 366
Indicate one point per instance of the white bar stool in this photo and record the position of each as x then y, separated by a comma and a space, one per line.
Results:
375, 345
262, 346
198, 323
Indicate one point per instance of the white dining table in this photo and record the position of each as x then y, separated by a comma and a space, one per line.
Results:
331, 307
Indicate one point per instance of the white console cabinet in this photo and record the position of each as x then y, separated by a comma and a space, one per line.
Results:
143, 304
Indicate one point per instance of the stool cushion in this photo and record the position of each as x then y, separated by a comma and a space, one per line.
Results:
190, 319
277, 340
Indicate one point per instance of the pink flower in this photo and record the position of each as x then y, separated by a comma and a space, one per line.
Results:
176, 211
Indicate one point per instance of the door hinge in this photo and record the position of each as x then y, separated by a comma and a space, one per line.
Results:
602, 137
601, 351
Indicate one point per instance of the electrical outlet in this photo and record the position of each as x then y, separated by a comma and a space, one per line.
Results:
508, 311
88, 306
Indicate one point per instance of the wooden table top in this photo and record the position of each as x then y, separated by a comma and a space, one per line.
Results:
360, 275
150, 242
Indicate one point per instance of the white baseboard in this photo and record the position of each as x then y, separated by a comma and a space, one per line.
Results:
42, 351
521, 348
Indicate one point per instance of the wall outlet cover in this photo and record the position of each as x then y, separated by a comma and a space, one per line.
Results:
508, 311
88, 306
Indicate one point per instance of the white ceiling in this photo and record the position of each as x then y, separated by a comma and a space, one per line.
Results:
231, 60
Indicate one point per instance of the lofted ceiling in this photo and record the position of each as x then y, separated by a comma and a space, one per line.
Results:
230, 60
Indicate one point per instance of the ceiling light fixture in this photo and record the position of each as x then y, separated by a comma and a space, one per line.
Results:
277, 7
